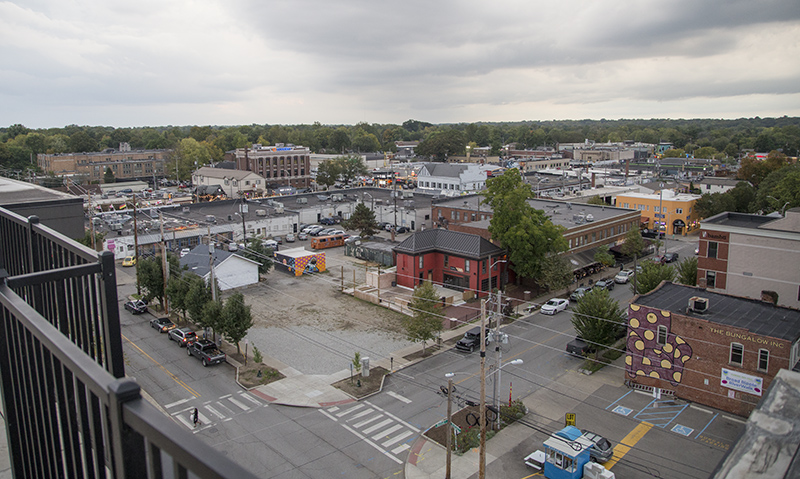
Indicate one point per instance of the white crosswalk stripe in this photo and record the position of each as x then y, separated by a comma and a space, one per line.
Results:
221, 409
375, 426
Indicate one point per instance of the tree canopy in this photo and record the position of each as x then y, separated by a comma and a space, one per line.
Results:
651, 276
426, 319
525, 232
236, 319
598, 319
362, 220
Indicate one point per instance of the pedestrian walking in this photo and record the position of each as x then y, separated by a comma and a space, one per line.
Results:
195, 417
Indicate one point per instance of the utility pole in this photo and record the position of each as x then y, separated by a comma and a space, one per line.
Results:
242, 211
497, 353
164, 263
211, 264
136, 246
482, 455
449, 427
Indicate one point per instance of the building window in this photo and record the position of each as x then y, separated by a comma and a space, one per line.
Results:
657, 209
712, 249
446, 261
421, 261
483, 267
737, 354
763, 359
662, 335
466, 265
711, 279
679, 211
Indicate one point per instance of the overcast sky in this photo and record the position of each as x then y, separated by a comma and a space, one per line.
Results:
229, 62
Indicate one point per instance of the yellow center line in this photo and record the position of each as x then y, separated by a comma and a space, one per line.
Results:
627, 443
174, 378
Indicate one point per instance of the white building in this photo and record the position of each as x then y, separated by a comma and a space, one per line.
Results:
451, 179
716, 185
234, 183
230, 269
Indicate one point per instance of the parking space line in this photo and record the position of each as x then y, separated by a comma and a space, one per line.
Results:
627, 443
709, 423
620, 399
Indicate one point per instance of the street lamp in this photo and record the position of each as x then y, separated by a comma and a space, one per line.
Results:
784, 205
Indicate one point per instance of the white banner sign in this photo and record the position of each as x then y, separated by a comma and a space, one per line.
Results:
742, 382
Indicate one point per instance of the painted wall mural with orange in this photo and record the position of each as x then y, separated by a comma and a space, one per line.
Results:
646, 356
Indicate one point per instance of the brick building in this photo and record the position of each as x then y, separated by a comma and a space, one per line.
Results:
125, 163
460, 261
279, 165
745, 254
709, 348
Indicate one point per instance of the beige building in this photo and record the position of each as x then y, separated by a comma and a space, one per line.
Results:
235, 183
279, 165
124, 164
743, 255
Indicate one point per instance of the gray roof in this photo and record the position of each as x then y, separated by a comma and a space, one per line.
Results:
197, 259
446, 241
445, 169
740, 220
758, 317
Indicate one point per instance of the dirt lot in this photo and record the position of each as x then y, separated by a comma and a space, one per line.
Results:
308, 324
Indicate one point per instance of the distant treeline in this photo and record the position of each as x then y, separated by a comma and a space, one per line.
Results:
727, 138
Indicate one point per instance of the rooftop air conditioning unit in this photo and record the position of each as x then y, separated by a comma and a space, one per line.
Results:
698, 304
261, 212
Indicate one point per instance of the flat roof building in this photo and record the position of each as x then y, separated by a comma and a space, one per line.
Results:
279, 165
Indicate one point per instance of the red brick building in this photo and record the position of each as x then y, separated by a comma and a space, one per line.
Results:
709, 348
457, 260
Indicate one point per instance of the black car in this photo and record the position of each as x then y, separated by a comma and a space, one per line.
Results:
670, 257
401, 229
162, 324
604, 284
471, 340
136, 307
579, 293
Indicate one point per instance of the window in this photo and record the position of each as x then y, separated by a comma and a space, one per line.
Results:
713, 246
679, 211
711, 279
446, 261
657, 209
763, 359
737, 354
483, 267
421, 261
466, 265
662, 335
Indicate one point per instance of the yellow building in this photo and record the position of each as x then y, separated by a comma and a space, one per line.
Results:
672, 213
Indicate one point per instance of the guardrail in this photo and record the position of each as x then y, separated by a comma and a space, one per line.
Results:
69, 410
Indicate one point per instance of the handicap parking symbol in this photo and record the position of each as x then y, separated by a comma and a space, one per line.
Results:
622, 410
682, 429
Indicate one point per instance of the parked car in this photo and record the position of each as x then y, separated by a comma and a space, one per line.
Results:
578, 347
554, 305
183, 336
271, 244
206, 351
302, 236
352, 239
579, 293
327, 221
471, 340
185, 251
601, 450
401, 229
278, 239
129, 261
604, 284
623, 276
670, 257
136, 307
163, 325
383, 225
290, 238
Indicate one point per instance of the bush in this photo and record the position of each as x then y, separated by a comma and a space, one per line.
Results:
257, 357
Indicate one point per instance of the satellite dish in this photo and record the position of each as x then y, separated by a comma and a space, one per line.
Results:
573, 262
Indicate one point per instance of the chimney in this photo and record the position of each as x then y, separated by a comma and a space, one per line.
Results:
769, 297
594, 175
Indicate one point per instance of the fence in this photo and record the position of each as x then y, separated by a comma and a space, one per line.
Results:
69, 410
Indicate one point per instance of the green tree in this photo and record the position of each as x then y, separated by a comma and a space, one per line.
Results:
177, 293
260, 254
556, 272
212, 316
634, 243
187, 156
426, 320
365, 142
339, 140
598, 319
197, 295
706, 152
327, 173
596, 200
362, 220
527, 233
87, 239
755, 170
651, 276
442, 144
687, 271
108, 176
711, 204
236, 319
351, 167
601, 255
151, 279
674, 153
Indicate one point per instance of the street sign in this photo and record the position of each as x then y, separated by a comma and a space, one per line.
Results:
569, 419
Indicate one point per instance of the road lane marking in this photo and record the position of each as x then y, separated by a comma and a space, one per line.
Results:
399, 397
243, 406
400, 448
329, 415
385, 434
375, 427
367, 421
706, 426
177, 403
384, 452
397, 439
393, 417
349, 410
252, 399
174, 377
627, 443
361, 414
215, 412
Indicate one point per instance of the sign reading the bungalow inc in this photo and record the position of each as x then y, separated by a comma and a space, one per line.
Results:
742, 382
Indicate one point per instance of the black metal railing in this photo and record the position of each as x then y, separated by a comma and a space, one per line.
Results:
69, 410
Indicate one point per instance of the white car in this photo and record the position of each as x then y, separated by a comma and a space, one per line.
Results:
554, 305
623, 276
185, 251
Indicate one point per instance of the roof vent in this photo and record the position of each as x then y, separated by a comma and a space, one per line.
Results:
698, 304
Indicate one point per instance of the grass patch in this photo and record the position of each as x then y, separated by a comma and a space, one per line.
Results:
467, 420
360, 386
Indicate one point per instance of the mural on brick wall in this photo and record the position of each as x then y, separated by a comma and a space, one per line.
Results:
646, 357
